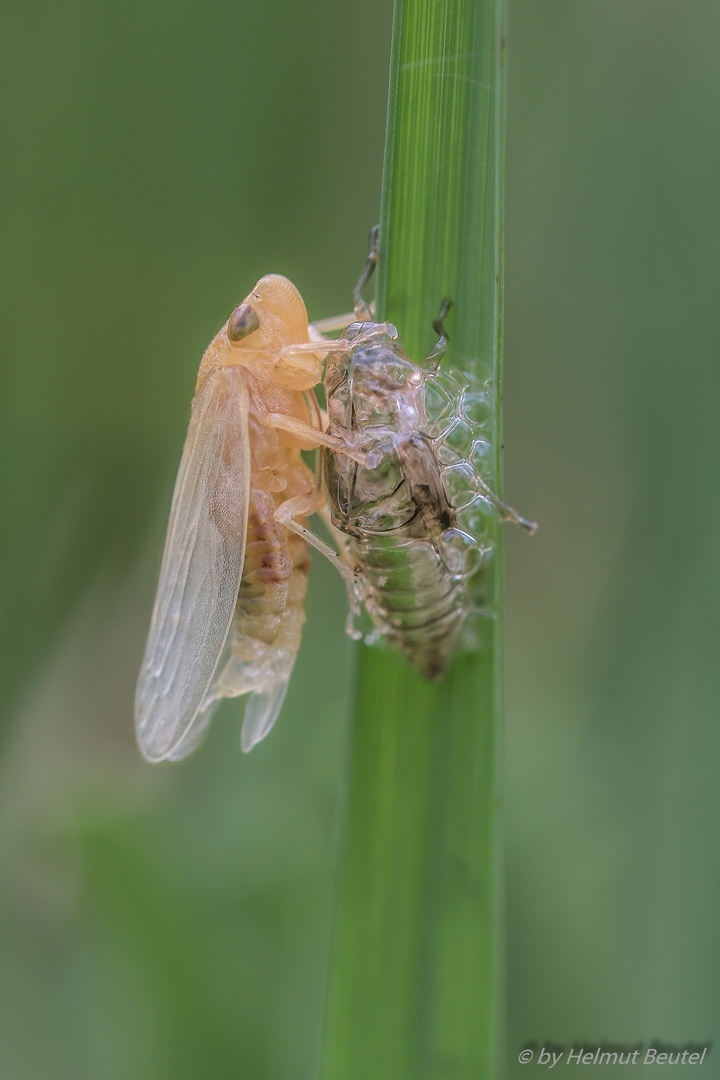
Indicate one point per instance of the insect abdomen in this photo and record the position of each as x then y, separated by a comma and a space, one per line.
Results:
413, 598
274, 581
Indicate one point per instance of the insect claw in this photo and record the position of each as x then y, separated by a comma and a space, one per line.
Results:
438, 325
530, 527
507, 513
363, 310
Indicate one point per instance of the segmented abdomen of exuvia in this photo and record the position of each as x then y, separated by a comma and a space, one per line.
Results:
413, 598
399, 521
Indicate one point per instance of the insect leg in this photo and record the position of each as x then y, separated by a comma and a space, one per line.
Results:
319, 347
329, 326
319, 344
433, 358
307, 434
301, 506
363, 310
356, 585
506, 512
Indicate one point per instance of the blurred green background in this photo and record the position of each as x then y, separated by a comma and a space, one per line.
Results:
158, 159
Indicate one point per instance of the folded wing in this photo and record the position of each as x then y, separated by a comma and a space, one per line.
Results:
200, 572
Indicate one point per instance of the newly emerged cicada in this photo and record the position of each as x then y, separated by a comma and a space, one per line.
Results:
229, 606
413, 510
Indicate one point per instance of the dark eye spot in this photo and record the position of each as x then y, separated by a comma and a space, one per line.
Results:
242, 323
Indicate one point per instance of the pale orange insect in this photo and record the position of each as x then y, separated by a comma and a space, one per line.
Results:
229, 607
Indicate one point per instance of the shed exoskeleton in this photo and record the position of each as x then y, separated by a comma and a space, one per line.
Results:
408, 509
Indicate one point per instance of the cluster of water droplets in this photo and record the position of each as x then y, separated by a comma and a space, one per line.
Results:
459, 418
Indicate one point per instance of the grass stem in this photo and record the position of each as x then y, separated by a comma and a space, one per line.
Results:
414, 988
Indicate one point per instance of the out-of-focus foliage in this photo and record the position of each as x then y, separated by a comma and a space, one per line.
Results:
157, 159
612, 442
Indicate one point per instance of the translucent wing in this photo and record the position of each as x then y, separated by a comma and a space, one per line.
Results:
196, 732
261, 712
200, 571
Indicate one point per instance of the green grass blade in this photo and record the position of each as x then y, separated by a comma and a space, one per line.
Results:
414, 982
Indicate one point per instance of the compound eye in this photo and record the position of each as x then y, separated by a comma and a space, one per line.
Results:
242, 323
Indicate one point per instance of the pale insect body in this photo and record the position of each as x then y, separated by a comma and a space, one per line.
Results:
413, 511
229, 607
